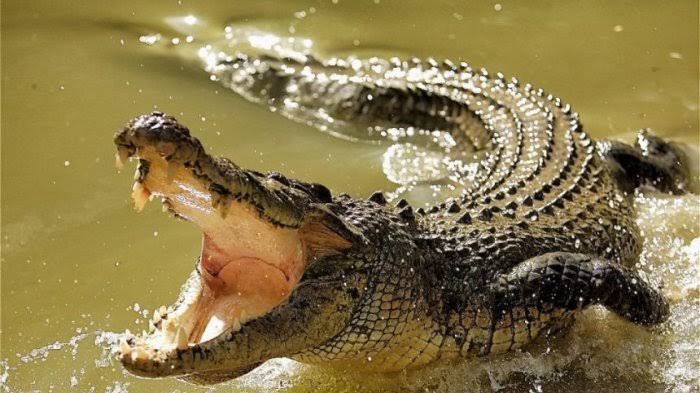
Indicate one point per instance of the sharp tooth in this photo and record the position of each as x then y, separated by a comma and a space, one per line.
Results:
162, 311
167, 206
124, 347
156, 317
222, 206
121, 156
223, 210
140, 195
170, 329
216, 200
181, 338
118, 162
139, 353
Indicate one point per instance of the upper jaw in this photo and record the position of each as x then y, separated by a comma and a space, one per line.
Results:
157, 135
157, 138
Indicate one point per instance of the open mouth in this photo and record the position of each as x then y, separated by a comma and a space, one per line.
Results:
248, 265
260, 233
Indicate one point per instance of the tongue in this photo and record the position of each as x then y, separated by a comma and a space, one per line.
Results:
232, 272
243, 289
238, 288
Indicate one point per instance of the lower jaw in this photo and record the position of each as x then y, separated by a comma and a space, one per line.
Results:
209, 306
171, 327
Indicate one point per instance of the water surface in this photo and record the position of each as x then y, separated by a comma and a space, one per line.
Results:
79, 263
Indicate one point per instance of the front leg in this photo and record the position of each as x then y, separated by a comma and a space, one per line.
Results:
566, 281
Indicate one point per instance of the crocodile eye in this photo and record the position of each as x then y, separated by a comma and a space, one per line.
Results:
321, 192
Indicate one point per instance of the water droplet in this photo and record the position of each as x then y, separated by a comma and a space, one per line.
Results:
190, 19
149, 39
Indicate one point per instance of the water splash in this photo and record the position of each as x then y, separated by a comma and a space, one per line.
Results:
102, 352
43, 353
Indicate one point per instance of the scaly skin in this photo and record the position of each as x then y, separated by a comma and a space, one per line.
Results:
541, 231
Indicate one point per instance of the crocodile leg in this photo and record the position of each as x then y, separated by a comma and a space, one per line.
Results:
650, 161
567, 281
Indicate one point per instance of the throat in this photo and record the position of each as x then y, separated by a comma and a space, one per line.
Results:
239, 286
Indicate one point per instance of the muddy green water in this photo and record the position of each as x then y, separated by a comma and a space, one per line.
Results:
78, 262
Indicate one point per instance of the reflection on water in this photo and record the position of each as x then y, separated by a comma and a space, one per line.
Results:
76, 259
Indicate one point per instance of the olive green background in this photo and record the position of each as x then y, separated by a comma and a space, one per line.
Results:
76, 257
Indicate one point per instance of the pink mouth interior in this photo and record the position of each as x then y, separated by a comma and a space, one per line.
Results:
248, 265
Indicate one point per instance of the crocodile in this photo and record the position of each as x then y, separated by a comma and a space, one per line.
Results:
544, 227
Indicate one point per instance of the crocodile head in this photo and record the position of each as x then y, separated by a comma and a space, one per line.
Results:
254, 294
